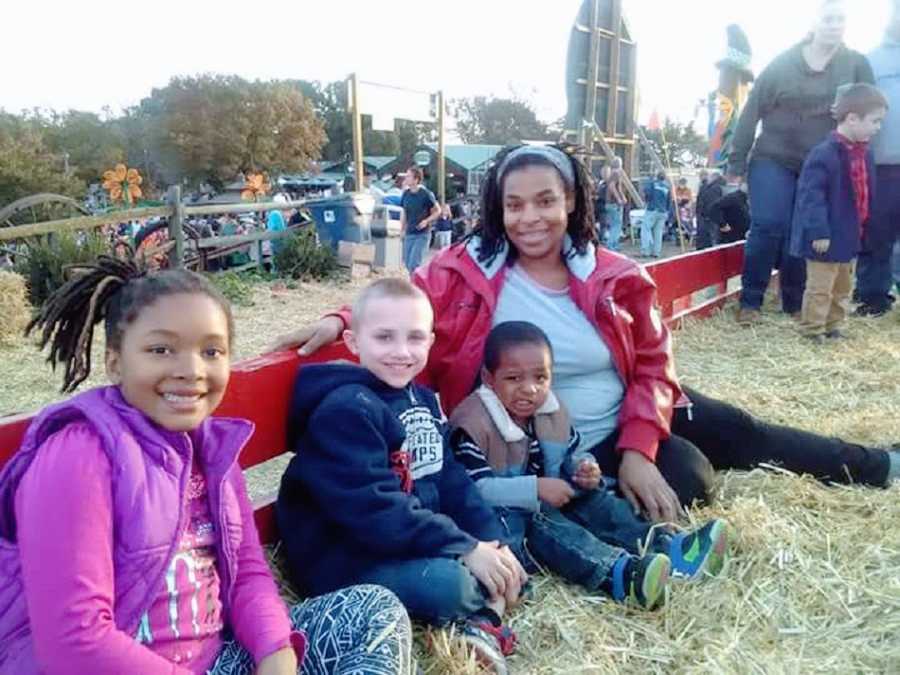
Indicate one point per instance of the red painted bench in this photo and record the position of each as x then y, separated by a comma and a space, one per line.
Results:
260, 388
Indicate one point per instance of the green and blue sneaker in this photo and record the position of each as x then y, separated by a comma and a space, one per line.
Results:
701, 552
641, 581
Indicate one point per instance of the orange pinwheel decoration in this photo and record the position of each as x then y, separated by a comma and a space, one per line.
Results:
255, 187
123, 184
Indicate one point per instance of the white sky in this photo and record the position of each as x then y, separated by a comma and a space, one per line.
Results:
86, 54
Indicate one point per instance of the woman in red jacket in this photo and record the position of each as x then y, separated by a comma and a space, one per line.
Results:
534, 257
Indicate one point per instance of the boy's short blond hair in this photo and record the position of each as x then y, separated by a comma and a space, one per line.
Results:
390, 287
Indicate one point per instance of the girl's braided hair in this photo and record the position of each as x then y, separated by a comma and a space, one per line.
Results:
490, 229
115, 291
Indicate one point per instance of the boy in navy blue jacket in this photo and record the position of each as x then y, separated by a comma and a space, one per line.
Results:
834, 195
374, 494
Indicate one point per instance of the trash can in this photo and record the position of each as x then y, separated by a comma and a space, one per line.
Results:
387, 233
346, 217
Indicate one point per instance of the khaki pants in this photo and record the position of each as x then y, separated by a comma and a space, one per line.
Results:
827, 296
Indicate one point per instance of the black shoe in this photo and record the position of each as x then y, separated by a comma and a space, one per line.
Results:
818, 339
836, 334
872, 311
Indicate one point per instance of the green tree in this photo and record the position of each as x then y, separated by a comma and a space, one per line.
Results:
497, 121
683, 145
213, 126
28, 166
90, 144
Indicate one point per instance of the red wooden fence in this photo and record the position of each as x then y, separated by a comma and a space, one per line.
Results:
260, 388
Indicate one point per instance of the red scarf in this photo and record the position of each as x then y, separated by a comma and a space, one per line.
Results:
859, 175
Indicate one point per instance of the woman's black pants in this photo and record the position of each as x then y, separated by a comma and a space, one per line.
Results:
713, 435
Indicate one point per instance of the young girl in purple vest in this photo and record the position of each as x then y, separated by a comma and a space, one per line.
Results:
127, 541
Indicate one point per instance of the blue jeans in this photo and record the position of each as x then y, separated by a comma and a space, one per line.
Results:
773, 189
582, 541
435, 590
895, 265
614, 221
874, 269
414, 248
653, 226
874, 276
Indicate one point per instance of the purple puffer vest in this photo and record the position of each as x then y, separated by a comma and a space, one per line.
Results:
151, 467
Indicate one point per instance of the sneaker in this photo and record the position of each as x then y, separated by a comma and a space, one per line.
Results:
491, 644
698, 553
747, 316
641, 581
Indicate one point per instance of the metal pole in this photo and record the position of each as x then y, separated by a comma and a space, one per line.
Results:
442, 163
176, 227
357, 134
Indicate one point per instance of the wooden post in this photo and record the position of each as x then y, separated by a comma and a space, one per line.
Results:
357, 134
176, 227
585, 136
631, 123
442, 160
612, 110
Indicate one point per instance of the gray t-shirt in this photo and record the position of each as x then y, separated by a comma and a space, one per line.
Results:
584, 376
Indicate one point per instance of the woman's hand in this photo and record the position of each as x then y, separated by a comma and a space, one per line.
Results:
555, 491
643, 486
498, 571
309, 339
282, 662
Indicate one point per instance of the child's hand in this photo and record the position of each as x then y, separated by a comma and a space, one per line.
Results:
587, 477
282, 662
514, 590
555, 491
495, 569
821, 246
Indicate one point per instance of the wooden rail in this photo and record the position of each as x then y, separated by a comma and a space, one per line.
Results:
116, 217
261, 388
81, 222
678, 279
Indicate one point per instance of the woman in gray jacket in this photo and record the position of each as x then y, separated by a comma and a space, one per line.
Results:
792, 98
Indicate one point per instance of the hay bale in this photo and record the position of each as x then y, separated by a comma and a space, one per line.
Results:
14, 307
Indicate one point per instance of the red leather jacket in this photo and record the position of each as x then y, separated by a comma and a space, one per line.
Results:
614, 292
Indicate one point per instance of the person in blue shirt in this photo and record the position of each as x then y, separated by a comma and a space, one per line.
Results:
658, 196
275, 223
420, 210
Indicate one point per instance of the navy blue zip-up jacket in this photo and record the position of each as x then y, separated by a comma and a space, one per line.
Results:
341, 507
826, 204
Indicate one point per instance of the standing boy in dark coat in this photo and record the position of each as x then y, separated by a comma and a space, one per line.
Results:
833, 204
